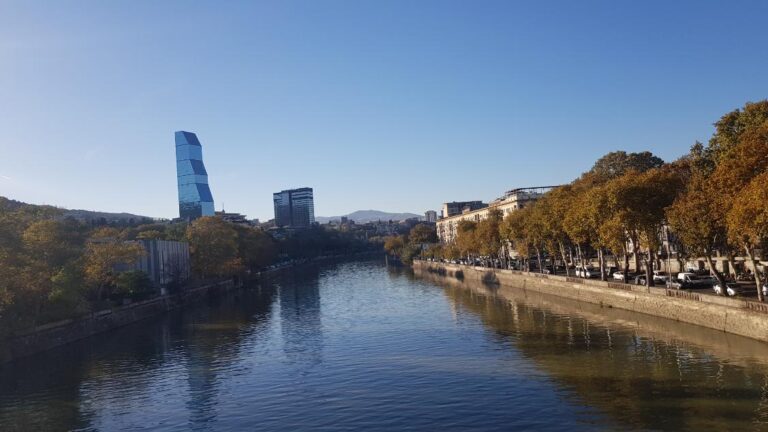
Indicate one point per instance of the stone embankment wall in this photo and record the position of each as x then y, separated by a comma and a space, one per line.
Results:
60, 333
738, 316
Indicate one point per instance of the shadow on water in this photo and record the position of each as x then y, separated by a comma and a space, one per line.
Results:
203, 335
645, 372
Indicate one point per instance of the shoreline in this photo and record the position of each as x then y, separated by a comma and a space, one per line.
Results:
59, 333
736, 316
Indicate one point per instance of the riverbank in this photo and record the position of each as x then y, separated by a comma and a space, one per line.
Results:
59, 333
736, 316
56, 334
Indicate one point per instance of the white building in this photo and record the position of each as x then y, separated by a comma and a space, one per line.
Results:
512, 200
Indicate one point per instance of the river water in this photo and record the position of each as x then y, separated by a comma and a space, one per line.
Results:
358, 346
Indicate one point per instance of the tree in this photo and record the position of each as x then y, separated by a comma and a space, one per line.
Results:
213, 247
256, 249
691, 218
748, 221
640, 201
422, 234
512, 229
615, 164
487, 235
104, 253
730, 128
466, 240
552, 207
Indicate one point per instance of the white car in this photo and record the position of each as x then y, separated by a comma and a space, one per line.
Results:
660, 276
731, 288
587, 272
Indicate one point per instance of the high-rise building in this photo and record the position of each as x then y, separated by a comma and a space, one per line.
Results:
195, 197
430, 216
294, 208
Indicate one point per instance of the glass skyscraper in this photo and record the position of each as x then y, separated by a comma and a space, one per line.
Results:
195, 197
294, 208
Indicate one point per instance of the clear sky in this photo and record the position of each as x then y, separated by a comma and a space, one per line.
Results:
389, 105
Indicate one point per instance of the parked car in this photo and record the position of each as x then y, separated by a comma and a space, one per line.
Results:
692, 280
732, 288
660, 276
618, 275
587, 272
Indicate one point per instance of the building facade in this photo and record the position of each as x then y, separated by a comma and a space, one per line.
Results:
430, 216
294, 208
195, 199
458, 207
165, 262
512, 200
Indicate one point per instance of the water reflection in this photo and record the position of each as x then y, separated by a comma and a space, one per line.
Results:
359, 346
644, 371
300, 316
147, 362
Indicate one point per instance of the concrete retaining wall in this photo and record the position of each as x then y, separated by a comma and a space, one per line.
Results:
737, 316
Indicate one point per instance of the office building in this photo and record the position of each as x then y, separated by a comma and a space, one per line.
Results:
195, 197
430, 216
294, 208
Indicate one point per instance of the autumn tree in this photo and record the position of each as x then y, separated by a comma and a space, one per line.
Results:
105, 251
213, 247
255, 248
422, 234
748, 221
616, 164
691, 218
552, 206
731, 126
466, 240
487, 234
512, 230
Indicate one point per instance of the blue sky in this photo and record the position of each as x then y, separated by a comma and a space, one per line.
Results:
390, 105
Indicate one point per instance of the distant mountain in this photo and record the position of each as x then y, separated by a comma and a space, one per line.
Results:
363, 216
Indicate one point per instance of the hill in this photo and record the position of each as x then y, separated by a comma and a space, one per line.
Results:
363, 216
81, 215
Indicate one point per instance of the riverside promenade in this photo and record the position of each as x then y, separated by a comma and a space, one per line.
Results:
738, 316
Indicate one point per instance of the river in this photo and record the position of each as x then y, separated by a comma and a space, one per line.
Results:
359, 346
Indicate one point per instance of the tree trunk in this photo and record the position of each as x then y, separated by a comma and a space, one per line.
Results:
636, 253
649, 269
580, 257
565, 262
626, 266
538, 259
731, 264
758, 279
717, 274
601, 263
